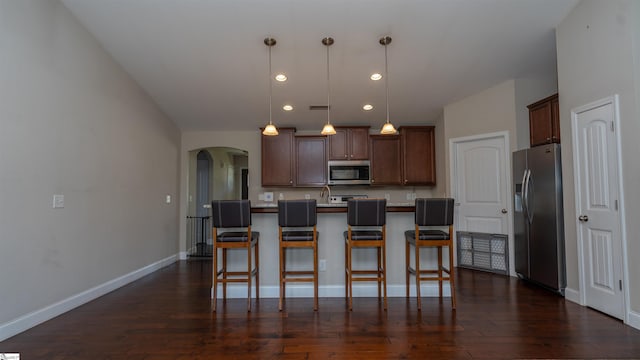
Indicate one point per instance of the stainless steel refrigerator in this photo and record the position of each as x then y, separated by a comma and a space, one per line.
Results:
538, 220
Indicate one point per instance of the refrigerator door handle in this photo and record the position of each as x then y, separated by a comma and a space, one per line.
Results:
525, 194
529, 188
523, 189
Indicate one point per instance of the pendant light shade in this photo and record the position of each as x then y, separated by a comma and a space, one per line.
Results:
387, 128
328, 128
270, 129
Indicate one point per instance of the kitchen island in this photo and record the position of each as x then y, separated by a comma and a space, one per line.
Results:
331, 225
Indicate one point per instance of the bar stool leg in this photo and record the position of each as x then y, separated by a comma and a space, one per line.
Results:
257, 250
215, 275
451, 277
315, 274
249, 275
408, 264
440, 271
384, 273
379, 271
224, 273
282, 269
417, 271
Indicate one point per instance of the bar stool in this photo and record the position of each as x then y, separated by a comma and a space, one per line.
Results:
300, 214
234, 214
430, 213
369, 213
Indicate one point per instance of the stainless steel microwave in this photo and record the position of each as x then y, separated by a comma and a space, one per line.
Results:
349, 172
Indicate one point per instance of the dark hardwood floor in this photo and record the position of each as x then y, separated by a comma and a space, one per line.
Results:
167, 315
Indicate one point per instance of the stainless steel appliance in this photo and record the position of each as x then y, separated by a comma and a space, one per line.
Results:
538, 220
349, 172
343, 199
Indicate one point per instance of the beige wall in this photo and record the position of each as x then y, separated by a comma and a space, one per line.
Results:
74, 123
489, 111
596, 59
528, 91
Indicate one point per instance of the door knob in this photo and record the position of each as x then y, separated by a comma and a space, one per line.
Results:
583, 218
504, 211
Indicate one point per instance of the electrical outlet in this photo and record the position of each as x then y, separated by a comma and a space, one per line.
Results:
261, 196
387, 196
268, 196
167, 199
413, 196
322, 265
307, 196
58, 201
408, 196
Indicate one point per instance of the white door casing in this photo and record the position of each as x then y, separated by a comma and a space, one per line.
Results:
480, 172
599, 219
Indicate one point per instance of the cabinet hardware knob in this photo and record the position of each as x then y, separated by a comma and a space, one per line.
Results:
372, 180
548, 139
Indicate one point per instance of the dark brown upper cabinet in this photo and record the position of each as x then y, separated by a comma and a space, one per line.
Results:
278, 158
385, 160
418, 155
349, 143
311, 160
544, 121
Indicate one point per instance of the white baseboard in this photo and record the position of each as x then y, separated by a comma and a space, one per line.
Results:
239, 291
183, 255
34, 318
572, 295
633, 319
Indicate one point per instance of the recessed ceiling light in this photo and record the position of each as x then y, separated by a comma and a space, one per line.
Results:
287, 108
281, 77
376, 77
367, 107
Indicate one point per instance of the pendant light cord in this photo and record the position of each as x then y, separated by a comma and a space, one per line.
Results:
386, 81
328, 88
270, 85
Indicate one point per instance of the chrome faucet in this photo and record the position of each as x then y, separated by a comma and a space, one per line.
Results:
328, 191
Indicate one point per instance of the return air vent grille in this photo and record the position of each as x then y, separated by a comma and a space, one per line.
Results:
318, 107
482, 251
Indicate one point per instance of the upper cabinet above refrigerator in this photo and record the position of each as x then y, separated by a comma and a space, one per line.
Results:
544, 121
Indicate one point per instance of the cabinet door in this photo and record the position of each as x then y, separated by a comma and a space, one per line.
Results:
555, 120
359, 143
418, 155
311, 160
385, 160
277, 158
338, 148
544, 126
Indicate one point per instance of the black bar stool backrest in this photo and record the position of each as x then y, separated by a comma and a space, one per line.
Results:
434, 212
366, 212
293, 213
231, 213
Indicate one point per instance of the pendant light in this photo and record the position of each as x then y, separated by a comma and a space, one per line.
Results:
388, 128
328, 128
270, 129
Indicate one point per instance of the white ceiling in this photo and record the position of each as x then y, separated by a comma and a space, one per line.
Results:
204, 61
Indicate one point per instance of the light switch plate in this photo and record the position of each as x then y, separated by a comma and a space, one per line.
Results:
58, 201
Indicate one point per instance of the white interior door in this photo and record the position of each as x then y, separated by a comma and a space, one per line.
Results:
480, 184
597, 196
